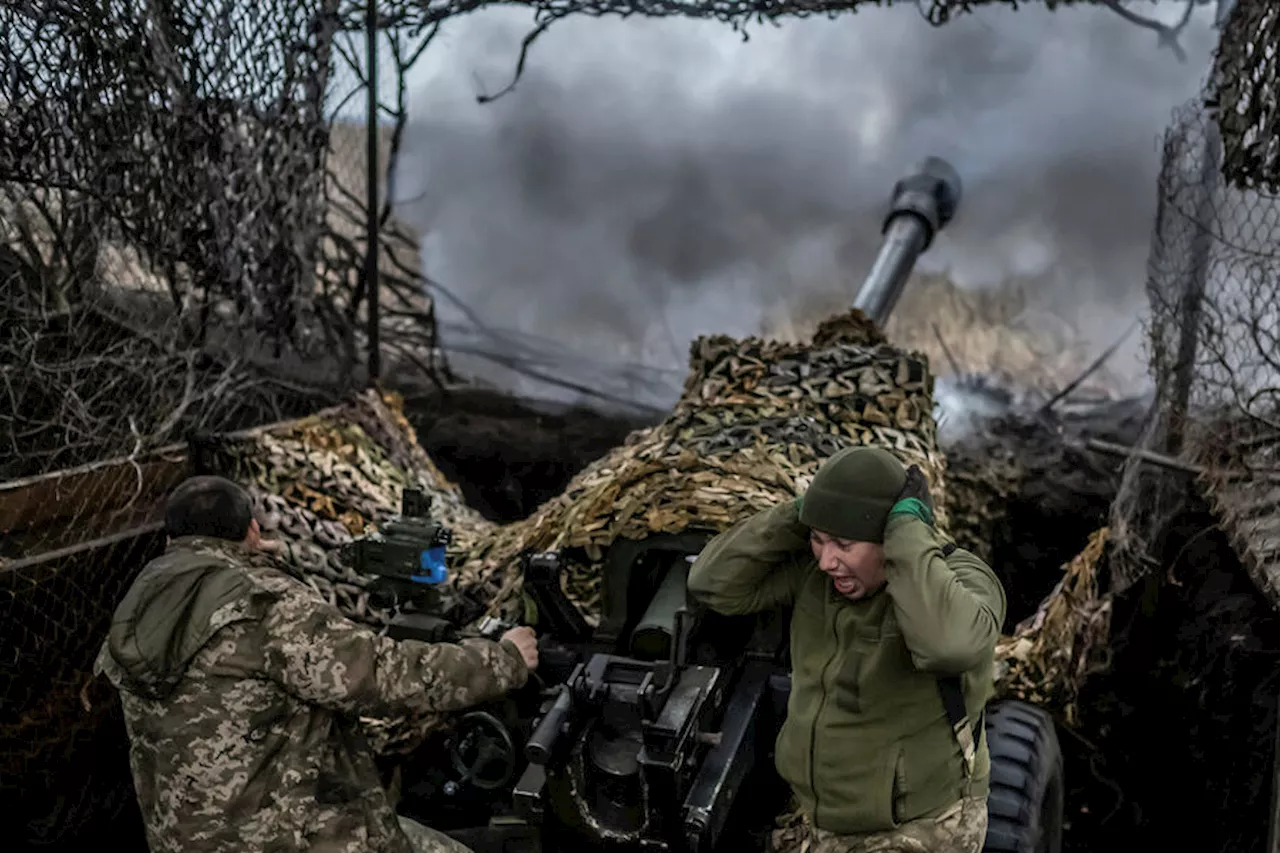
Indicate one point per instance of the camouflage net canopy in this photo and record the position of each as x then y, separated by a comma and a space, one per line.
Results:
182, 224
755, 421
1248, 65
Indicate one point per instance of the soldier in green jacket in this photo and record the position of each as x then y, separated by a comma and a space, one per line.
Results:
887, 615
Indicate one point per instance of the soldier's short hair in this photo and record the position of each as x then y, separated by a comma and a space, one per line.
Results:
209, 506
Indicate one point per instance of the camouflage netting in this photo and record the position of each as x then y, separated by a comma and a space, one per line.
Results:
319, 481
754, 423
183, 224
737, 13
977, 493
132, 189
1249, 110
1052, 653
1241, 482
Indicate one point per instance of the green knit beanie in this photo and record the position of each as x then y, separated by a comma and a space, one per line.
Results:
852, 494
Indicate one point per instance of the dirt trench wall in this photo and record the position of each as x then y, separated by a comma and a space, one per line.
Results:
1027, 493
509, 457
1175, 748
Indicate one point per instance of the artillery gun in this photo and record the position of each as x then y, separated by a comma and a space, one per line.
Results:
651, 722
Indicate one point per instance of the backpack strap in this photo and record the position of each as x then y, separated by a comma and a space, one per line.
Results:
949, 687
968, 736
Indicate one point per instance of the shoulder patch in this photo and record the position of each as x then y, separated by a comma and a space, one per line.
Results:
949, 549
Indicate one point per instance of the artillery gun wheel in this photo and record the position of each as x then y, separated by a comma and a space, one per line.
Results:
1025, 806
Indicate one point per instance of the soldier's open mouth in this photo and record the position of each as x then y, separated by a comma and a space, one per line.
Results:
846, 586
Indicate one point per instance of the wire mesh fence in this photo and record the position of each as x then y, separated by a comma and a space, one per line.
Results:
183, 231
1213, 342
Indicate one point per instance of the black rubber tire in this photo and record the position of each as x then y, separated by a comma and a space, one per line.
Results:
1025, 807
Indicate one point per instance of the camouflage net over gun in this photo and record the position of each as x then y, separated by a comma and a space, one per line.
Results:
755, 421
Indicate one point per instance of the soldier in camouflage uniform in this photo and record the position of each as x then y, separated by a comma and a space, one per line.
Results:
888, 617
242, 689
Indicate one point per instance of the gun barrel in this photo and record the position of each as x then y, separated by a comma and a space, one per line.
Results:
922, 205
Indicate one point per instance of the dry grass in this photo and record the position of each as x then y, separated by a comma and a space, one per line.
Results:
994, 332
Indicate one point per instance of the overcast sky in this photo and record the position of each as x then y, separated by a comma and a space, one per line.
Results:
649, 181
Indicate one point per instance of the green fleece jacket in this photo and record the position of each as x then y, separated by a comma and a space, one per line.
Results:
866, 745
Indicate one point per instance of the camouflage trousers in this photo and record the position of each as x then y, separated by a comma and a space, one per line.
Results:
427, 840
960, 829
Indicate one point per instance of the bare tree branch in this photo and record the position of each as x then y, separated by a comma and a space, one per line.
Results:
525, 46
1168, 35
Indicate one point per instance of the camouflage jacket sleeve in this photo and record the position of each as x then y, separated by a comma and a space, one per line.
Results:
752, 566
322, 657
950, 609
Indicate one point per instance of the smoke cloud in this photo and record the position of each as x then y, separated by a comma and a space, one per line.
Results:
650, 181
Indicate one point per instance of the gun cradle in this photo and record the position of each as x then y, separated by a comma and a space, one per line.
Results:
647, 738
647, 765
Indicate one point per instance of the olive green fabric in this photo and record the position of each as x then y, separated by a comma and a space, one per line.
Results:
866, 745
169, 614
852, 494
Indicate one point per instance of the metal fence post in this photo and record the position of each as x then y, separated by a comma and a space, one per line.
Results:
1192, 299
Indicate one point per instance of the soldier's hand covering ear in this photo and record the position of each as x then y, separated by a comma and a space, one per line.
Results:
914, 499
